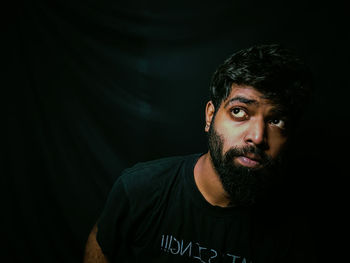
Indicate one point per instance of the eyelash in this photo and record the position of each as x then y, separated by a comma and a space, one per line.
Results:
240, 109
246, 116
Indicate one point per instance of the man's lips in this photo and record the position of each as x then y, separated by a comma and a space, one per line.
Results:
250, 161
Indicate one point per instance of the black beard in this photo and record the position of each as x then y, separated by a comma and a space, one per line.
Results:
243, 185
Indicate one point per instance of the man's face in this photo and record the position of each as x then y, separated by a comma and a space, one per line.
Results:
247, 135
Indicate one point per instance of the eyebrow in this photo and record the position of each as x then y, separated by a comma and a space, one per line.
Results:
280, 111
241, 99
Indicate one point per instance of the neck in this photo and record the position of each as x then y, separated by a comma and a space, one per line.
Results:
208, 182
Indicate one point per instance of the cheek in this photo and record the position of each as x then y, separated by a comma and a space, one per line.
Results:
232, 135
277, 144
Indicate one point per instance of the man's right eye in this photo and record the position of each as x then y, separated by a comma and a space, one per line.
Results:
238, 113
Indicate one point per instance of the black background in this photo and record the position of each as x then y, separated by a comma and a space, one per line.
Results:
92, 87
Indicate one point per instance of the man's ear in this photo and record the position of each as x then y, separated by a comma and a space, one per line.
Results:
209, 114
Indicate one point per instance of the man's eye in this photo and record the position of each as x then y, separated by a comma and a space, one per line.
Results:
278, 122
238, 113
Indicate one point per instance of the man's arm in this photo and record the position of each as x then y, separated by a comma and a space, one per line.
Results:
93, 251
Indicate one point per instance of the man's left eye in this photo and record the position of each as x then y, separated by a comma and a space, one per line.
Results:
278, 122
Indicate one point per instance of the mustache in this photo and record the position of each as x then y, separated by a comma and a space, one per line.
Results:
264, 159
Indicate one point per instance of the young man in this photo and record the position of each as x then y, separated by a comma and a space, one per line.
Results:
212, 207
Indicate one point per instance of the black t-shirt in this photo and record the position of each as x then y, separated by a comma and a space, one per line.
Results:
155, 213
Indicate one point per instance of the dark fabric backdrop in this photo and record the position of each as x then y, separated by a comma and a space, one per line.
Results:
92, 87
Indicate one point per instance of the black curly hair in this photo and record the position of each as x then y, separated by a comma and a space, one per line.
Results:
274, 70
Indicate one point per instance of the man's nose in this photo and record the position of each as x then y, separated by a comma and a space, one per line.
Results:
256, 133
